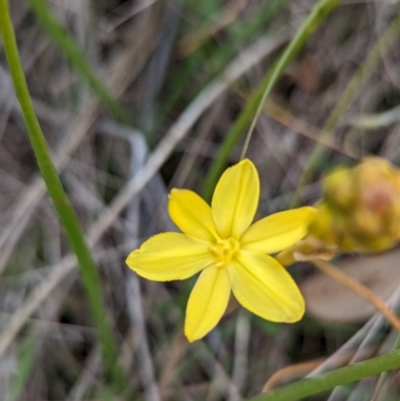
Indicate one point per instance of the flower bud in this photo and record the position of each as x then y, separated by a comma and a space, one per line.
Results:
339, 188
360, 210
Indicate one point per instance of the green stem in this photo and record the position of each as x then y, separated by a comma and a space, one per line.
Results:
77, 58
384, 375
326, 381
256, 102
60, 200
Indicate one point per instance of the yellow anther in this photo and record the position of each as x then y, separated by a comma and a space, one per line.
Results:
223, 250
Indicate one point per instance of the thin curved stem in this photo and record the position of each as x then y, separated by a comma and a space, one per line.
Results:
319, 12
256, 102
359, 289
65, 212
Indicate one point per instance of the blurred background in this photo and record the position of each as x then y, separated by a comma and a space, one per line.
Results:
136, 97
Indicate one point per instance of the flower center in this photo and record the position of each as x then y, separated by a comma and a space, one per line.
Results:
223, 250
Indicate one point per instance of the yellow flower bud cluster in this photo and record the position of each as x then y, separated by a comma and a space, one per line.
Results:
360, 209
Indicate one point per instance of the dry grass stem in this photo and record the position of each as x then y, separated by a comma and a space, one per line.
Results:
290, 373
359, 289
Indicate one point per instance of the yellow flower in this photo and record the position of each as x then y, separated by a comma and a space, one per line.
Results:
231, 253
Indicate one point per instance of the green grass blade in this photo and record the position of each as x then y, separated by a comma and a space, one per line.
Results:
77, 58
25, 359
256, 102
65, 212
309, 386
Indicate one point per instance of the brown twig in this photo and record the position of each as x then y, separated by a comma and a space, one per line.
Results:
289, 373
299, 370
359, 289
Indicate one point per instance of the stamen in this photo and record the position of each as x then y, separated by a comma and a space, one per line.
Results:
223, 250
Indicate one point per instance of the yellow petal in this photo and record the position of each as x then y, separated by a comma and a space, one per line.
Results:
264, 287
170, 256
235, 199
207, 302
191, 214
278, 231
